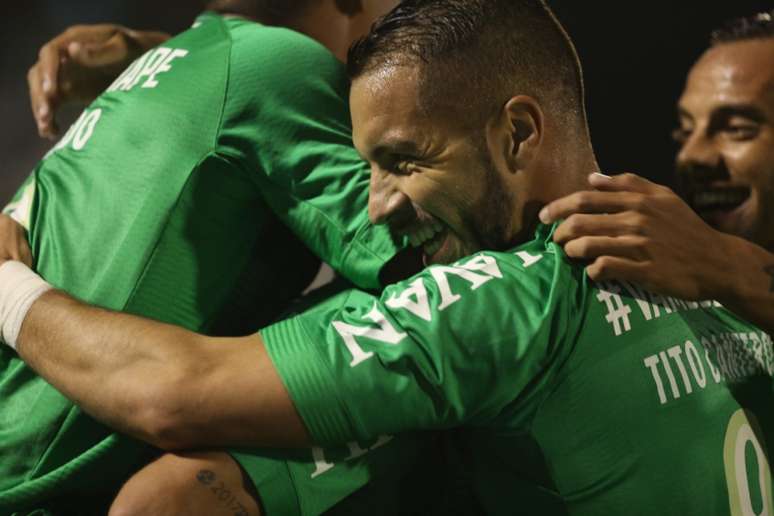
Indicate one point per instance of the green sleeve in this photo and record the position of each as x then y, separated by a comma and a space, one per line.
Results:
287, 121
454, 345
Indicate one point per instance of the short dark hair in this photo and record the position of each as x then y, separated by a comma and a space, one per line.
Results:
484, 50
758, 26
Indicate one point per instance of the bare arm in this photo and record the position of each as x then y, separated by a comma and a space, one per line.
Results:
79, 64
634, 230
160, 383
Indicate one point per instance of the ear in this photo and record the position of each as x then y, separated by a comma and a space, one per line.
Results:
521, 131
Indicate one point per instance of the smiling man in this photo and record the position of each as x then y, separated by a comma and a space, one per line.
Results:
726, 164
470, 113
726, 133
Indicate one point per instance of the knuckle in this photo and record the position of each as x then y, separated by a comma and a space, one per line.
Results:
602, 266
574, 224
627, 178
665, 190
640, 203
594, 272
584, 247
638, 223
583, 201
578, 248
75, 29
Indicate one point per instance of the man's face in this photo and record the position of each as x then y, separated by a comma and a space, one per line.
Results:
727, 135
431, 179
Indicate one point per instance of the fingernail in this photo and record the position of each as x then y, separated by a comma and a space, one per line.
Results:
43, 111
600, 174
46, 84
545, 216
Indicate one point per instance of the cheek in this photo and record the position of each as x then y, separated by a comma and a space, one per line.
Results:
753, 163
441, 190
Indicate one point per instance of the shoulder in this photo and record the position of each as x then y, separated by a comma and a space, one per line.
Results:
531, 285
281, 51
538, 265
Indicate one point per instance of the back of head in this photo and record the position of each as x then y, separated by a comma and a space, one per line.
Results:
478, 54
758, 26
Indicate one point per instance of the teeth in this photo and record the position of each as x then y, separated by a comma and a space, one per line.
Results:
724, 199
425, 233
432, 247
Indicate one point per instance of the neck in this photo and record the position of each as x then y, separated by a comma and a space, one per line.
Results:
572, 165
244, 8
323, 22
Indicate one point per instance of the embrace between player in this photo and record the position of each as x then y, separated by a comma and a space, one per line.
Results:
449, 347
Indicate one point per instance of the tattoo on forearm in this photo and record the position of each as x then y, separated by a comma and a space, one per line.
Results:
770, 271
223, 493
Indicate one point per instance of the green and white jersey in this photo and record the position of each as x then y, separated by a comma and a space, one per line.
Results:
188, 192
572, 397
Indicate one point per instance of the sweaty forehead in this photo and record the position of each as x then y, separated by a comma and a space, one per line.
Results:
385, 108
739, 72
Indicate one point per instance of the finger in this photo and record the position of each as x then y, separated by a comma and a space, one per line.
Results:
611, 225
615, 268
622, 182
41, 109
49, 60
588, 202
592, 247
102, 53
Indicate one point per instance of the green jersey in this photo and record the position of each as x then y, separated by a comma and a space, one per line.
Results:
187, 192
571, 397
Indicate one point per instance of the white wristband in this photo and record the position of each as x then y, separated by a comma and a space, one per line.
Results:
19, 288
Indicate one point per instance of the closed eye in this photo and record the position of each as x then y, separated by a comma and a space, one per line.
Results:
681, 135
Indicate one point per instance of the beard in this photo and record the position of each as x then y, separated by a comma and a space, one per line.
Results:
491, 221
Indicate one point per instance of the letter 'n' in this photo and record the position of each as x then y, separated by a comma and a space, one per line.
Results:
386, 332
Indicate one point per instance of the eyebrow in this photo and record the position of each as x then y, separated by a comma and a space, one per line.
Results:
728, 110
746, 110
395, 146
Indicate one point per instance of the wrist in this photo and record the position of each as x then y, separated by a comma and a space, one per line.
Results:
20, 287
740, 274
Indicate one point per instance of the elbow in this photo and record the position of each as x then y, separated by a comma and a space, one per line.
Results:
163, 428
166, 414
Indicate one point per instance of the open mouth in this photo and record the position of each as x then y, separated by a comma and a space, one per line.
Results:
430, 238
718, 199
432, 246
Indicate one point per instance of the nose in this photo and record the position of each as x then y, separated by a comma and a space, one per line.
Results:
387, 204
698, 151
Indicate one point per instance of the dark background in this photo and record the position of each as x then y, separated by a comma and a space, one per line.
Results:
635, 54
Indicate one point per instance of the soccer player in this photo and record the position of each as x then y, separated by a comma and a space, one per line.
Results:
190, 191
726, 161
576, 397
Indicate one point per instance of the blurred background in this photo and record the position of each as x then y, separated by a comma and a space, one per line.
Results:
635, 54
